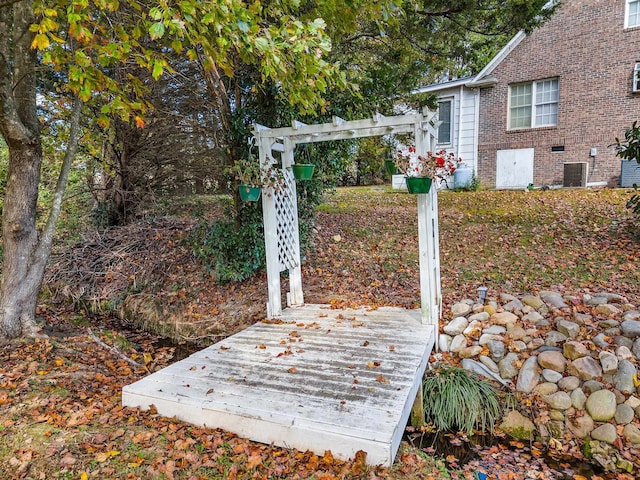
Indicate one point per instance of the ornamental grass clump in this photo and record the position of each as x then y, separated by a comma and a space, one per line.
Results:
456, 400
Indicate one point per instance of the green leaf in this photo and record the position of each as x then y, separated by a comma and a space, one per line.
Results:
156, 30
262, 44
157, 69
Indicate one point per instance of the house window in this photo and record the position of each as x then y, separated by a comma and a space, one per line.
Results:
445, 116
533, 104
636, 78
632, 14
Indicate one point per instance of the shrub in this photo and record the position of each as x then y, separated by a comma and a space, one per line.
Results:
629, 149
455, 400
231, 250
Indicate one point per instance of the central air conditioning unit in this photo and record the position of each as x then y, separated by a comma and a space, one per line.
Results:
575, 174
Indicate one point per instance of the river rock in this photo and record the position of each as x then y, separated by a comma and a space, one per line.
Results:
497, 349
631, 328
468, 352
490, 364
631, 315
456, 326
623, 353
485, 338
473, 330
580, 427
558, 400
529, 375
596, 300
569, 383
633, 402
533, 317
605, 433
504, 318
495, 330
535, 343
491, 308
507, 366
513, 305
601, 405
516, 333
479, 317
621, 340
479, 368
444, 342
585, 368
458, 343
553, 361
557, 415
553, 299
578, 399
581, 318
623, 378
573, 350
624, 414
631, 433
546, 388
570, 329
460, 309
613, 297
550, 375
554, 338
532, 301
635, 349
601, 340
608, 361
518, 426
609, 323
591, 386
607, 309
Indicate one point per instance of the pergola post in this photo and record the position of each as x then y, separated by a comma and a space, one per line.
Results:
270, 222
428, 235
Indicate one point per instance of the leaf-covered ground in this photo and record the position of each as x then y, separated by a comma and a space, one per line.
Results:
60, 413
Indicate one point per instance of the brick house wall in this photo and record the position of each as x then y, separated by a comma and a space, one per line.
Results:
586, 46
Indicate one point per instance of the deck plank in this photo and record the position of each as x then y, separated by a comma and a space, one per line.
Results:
315, 378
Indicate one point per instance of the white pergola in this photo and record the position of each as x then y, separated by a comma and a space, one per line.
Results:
280, 209
256, 385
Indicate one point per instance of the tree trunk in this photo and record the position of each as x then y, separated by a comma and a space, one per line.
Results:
20, 283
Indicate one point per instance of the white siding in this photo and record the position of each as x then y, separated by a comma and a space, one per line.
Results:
467, 133
464, 119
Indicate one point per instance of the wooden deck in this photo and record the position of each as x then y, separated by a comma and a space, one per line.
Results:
315, 378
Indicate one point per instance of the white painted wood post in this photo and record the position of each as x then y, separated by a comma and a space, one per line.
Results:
295, 295
428, 238
274, 304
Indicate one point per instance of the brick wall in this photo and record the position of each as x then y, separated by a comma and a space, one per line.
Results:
586, 46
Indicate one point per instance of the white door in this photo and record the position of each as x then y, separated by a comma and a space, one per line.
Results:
514, 168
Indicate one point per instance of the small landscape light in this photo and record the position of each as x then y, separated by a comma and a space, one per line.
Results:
482, 294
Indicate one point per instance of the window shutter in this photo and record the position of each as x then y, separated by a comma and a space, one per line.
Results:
636, 78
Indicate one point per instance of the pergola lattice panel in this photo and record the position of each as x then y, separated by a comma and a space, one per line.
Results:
287, 223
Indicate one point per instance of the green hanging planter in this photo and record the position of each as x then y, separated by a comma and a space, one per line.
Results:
303, 171
418, 184
391, 167
249, 193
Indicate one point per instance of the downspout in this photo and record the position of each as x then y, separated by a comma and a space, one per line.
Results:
459, 117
